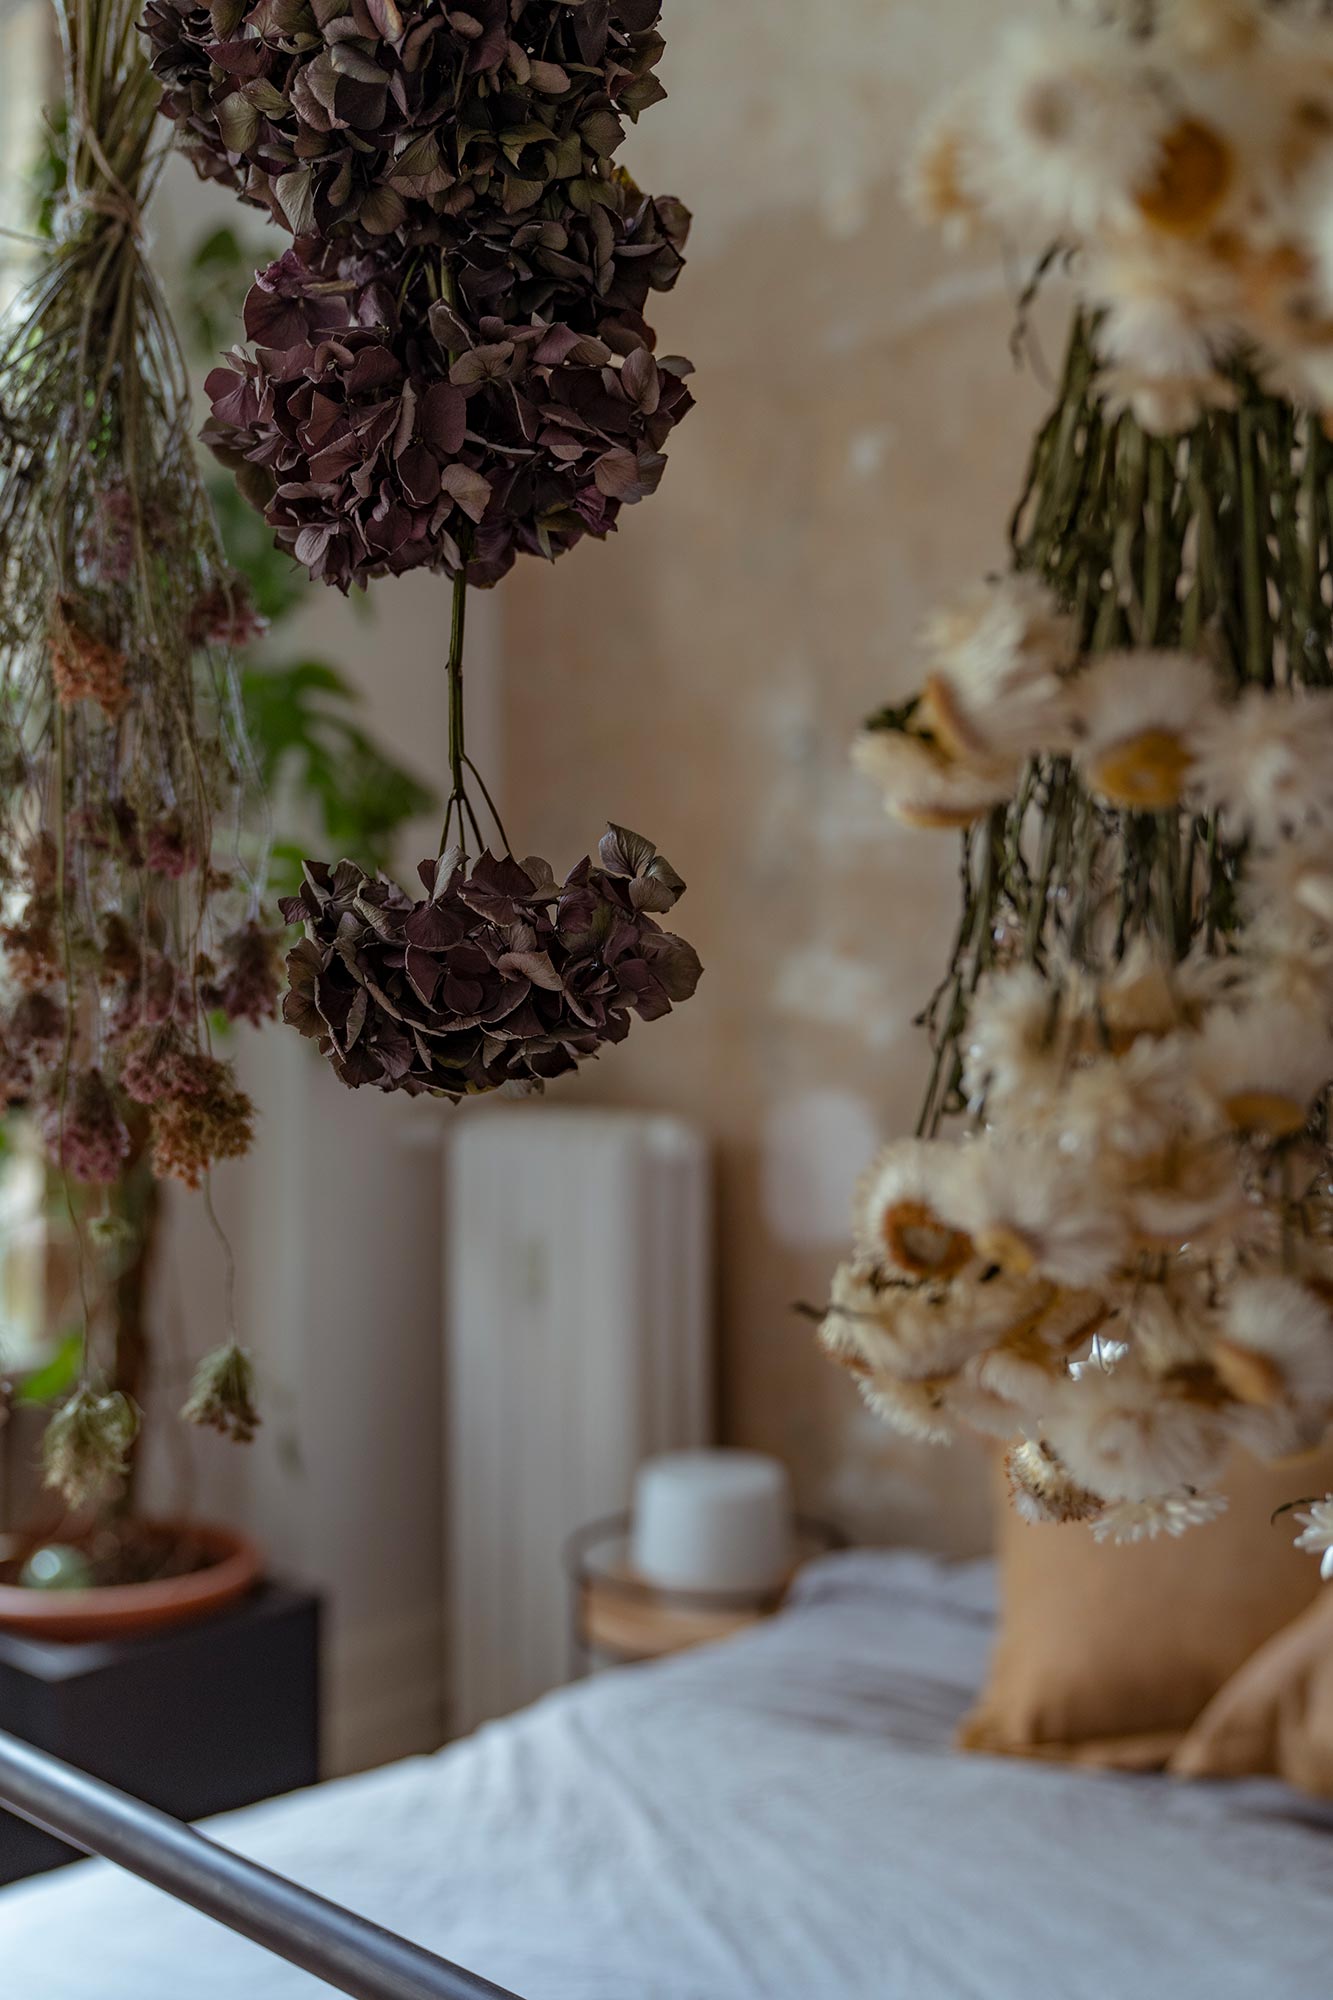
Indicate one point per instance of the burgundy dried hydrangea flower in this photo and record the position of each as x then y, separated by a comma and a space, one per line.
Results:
498, 976
377, 438
384, 117
86, 1136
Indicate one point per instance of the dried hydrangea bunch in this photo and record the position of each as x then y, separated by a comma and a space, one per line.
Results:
381, 429
397, 117
126, 920
1182, 154
454, 355
498, 977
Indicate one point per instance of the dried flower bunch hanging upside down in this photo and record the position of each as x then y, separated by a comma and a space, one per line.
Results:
449, 368
129, 911
131, 906
1123, 1259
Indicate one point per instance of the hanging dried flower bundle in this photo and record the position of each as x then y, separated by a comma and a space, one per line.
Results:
119, 737
1123, 1261
450, 367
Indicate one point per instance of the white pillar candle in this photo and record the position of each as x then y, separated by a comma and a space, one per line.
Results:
713, 1520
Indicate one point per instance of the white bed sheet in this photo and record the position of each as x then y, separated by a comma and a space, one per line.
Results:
779, 1818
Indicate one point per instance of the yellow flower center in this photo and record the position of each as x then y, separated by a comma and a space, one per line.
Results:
1142, 772
1265, 1111
920, 1243
1251, 1377
1193, 175
1009, 1248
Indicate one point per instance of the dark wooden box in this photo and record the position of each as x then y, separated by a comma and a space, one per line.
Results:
195, 1721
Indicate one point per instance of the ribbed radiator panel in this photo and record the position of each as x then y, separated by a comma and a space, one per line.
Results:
578, 1297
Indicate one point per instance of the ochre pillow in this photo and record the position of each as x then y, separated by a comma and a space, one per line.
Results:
1106, 1655
1274, 1717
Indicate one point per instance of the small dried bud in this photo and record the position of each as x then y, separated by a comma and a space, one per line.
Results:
213, 1122
251, 978
85, 668
87, 1444
226, 616
222, 1394
168, 850
85, 1133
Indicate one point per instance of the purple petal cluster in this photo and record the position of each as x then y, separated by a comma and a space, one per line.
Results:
380, 118
380, 432
498, 976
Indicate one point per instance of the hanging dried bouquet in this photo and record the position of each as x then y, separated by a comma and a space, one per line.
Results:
449, 368
1121, 1257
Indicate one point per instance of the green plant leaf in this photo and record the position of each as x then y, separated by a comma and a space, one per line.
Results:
56, 1377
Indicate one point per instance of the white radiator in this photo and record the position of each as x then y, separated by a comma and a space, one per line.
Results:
578, 1289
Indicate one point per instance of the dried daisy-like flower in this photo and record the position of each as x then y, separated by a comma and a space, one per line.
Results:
1017, 1039
1316, 1536
921, 784
1275, 1356
1033, 1209
1124, 1435
901, 1211
1163, 405
1130, 1521
84, 1130
86, 1445
1043, 1489
1135, 717
1265, 762
997, 657
222, 1394
213, 1121
1263, 1065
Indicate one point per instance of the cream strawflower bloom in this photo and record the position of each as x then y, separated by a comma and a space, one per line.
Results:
1134, 1104
1136, 716
1164, 1514
1043, 1489
1016, 1045
941, 175
904, 1209
994, 687
918, 1410
877, 1324
1265, 762
1316, 1536
923, 786
1071, 129
1288, 891
1213, 31
1163, 405
1167, 308
1126, 1435
1263, 1065
1277, 1344
1033, 1211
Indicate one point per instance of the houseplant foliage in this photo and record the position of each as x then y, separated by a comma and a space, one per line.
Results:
449, 367
1119, 1256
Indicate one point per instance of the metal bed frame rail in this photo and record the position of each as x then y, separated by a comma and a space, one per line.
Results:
345, 1951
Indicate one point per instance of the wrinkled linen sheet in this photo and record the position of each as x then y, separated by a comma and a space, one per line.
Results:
777, 1818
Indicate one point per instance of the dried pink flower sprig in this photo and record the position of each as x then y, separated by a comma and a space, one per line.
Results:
498, 976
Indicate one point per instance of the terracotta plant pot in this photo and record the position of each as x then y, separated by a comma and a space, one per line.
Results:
118, 1611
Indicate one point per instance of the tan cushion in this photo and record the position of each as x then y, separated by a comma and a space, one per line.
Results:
1106, 1655
1274, 1717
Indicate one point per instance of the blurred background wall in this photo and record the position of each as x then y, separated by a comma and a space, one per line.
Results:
859, 441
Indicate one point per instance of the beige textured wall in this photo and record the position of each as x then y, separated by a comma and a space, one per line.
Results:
858, 442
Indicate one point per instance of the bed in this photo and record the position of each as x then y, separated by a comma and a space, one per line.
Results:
777, 1818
